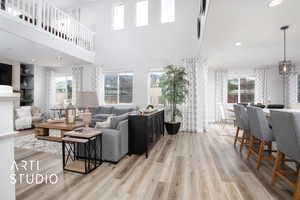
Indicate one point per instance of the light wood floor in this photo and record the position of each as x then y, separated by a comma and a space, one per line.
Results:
186, 166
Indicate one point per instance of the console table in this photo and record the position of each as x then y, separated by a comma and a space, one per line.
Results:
144, 131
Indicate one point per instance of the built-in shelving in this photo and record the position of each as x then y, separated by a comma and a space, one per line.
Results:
27, 85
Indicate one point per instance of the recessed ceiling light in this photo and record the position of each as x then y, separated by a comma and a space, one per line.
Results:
238, 44
33, 60
274, 3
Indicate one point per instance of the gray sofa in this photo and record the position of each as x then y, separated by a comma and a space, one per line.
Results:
115, 138
101, 113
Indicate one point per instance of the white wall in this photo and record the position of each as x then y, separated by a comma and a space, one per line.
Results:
7, 190
139, 49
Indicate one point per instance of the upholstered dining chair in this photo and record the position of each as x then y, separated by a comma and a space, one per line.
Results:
261, 133
241, 118
286, 128
225, 118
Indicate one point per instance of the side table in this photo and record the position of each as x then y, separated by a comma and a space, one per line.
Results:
86, 137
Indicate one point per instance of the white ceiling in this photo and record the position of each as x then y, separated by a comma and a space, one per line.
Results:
257, 27
17, 49
64, 4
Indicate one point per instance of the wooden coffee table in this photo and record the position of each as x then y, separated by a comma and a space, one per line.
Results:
42, 130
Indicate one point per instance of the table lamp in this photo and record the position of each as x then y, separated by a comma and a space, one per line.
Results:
84, 100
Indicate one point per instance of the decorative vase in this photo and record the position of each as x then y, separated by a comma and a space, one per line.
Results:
172, 127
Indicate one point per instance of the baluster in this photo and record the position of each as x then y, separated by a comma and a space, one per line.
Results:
56, 25
39, 15
49, 16
20, 8
24, 8
44, 15
4, 3
34, 12
65, 26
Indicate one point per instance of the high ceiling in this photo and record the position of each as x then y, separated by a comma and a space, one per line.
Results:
64, 4
257, 27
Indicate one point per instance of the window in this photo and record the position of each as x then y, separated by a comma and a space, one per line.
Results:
142, 13
63, 90
241, 90
298, 88
118, 88
155, 90
167, 11
118, 17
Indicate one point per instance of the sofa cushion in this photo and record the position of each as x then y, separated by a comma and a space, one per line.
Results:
104, 124
120, 111
116, 119
106, 109
37, 118
101, 117
24, 111
95, 110
35, 111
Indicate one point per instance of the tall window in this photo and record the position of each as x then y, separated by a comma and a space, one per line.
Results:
118, 88
167, 11
155, 90
241, 90
118, 17
142, 13
298, 86
63, 90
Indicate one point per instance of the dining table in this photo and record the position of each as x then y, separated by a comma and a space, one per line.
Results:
267, 111
268, 114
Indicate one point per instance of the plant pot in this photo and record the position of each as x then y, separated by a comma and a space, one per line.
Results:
172, 127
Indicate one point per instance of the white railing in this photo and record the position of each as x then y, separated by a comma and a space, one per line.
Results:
44, 15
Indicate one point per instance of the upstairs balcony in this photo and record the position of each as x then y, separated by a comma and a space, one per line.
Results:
43, 23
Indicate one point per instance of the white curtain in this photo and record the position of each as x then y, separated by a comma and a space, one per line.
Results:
194, 110
221, 78
290, 90
77, 82
51, 88
262, 85
99, 84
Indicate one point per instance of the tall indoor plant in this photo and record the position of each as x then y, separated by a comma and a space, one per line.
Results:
174, 90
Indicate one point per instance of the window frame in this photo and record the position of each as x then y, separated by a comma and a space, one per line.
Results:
65, 76
136, 13
298, 88
239, 87
149, 83
161, 12
114, 5
118, 87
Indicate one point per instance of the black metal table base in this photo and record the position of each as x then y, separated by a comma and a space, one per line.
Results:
91, 162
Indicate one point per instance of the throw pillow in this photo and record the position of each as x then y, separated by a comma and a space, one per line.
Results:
24, 111
105, 124
116, 119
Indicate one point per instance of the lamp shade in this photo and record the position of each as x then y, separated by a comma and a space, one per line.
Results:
86, 99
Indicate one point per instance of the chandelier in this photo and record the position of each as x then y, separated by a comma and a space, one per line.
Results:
286, 67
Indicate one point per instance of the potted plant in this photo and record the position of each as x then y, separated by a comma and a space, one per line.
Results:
174, 90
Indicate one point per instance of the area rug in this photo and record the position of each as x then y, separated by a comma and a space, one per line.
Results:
28, 141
